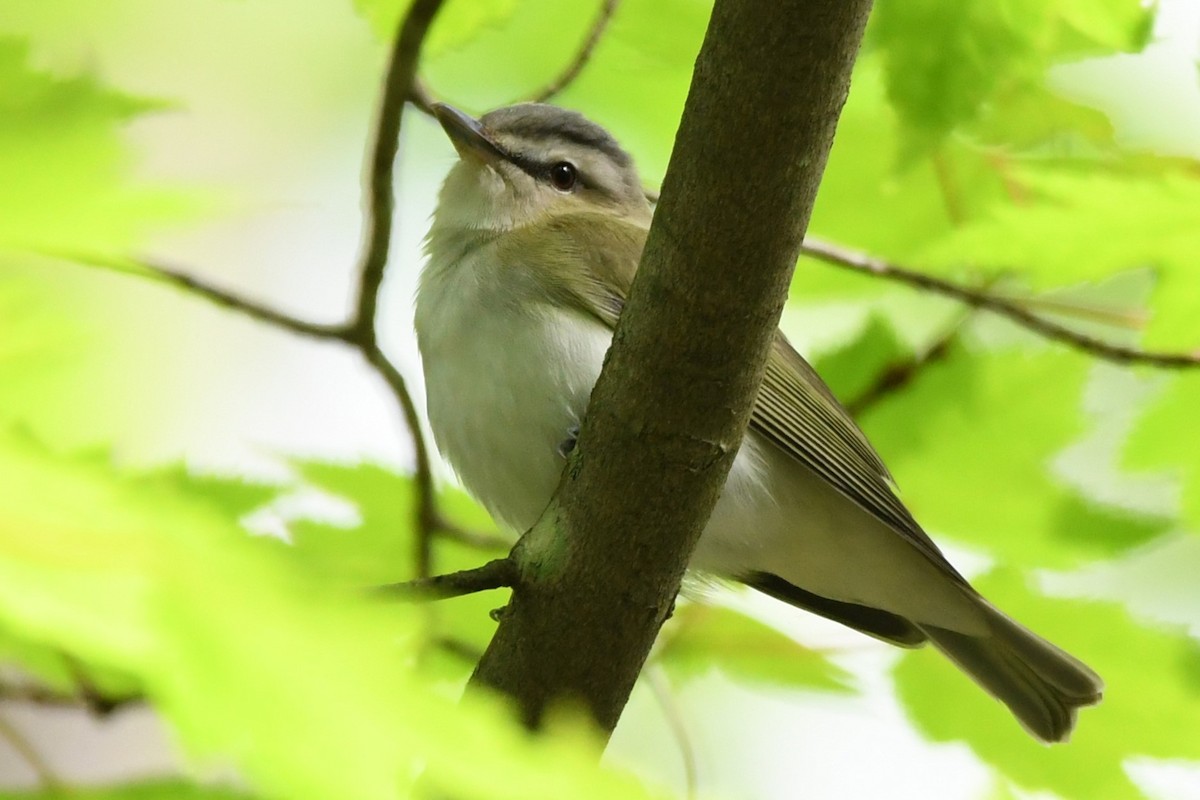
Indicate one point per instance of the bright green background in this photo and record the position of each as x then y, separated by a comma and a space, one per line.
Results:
953, 156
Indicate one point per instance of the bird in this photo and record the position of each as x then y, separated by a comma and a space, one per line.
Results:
537, 232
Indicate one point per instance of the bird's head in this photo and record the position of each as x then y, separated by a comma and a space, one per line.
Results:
522, 164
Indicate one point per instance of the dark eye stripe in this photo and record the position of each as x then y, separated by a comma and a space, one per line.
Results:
540, 171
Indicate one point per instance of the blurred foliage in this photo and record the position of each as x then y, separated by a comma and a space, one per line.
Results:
978, 59
57, 132
149, 790
953, 156
699, 638
249, 650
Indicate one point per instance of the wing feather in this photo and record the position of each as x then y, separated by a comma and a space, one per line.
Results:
798, 413
795, 410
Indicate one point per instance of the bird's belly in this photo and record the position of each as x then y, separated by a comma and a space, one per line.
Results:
504, 401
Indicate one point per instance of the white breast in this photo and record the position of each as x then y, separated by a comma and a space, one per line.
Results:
507, 378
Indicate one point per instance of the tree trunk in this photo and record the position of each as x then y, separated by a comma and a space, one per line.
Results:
600, 570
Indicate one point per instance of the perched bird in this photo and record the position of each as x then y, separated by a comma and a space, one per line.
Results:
538, 231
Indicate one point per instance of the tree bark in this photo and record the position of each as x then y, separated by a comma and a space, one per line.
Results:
599, 572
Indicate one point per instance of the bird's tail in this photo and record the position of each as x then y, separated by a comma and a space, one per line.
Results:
1041, 684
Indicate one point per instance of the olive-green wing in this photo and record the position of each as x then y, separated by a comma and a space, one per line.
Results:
798, 413
794, 410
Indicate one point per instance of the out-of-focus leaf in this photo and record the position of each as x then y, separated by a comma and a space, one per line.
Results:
940, 78
1091, 26
864, 198
946, 64
700, 638
381, 549
1078, 523
61, 354
1166, 439
970, 442
246, 650
854, 368
1032, 117
880, 207
1151, 705
1080, 226
232, 496
147, 790
63, 165
38, 347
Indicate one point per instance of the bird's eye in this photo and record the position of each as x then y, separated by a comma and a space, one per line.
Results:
563, 175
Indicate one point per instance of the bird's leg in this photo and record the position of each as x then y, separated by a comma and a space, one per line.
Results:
567, 445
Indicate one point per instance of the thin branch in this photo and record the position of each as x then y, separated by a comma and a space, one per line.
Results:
97, 704
582, 56
1013, 310
29, 753
428, 518
1119, 318
422, 98
380, 202
400, 83
220, 297
498, 574
661, 690
900, 374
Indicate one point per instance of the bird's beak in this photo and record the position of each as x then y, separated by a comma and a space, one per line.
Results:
467, 135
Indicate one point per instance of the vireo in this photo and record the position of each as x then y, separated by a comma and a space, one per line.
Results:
538, 231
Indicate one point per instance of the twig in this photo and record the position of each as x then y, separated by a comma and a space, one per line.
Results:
1120, 318
582, 56
96, 701
33, 758
423, 99
862, 263
661, 689
223, 298
98, 704
379, 205
428, 518
379, 202
497, 574
900, 374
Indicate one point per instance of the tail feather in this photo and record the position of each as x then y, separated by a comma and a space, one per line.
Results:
1041, 684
